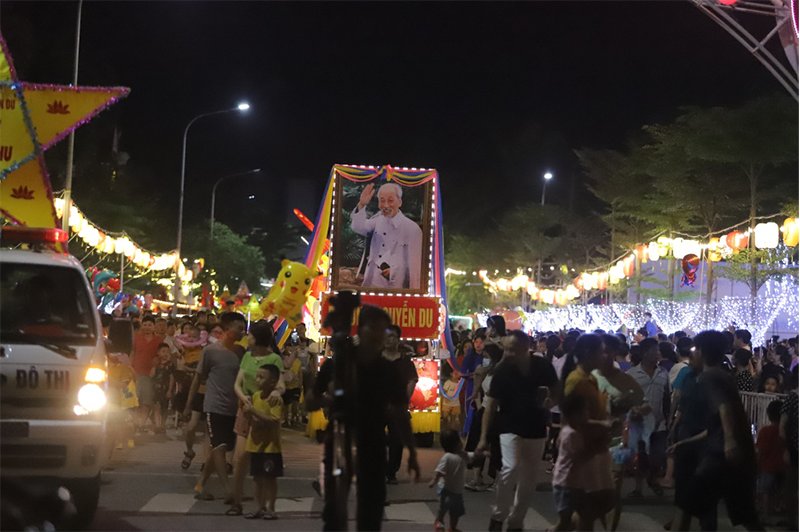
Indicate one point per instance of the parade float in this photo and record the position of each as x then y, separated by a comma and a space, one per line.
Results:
378, 232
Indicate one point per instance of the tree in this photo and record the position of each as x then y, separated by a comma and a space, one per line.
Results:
229, 258
754, 267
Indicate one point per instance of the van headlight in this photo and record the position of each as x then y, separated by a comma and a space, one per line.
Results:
91, 398
96, 375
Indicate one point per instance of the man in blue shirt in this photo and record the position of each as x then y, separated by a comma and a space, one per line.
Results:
649, 324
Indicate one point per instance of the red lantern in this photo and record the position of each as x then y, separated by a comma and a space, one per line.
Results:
641, 252
602, 281
727, 2
736, 240
627, 266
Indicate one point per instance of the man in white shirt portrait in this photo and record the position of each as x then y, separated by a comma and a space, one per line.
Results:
395, 254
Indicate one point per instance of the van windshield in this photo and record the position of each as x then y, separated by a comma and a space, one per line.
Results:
38, 301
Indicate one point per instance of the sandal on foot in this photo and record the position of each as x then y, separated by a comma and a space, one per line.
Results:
269, 515
256, 515
187, 459
204, 496
234, 510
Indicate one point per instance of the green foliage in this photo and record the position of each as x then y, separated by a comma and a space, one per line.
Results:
754, 267
228, 255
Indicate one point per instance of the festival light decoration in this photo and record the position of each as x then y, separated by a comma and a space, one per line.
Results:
791, 232
104, 242
736, 240
715, 250
779, 297
767, 235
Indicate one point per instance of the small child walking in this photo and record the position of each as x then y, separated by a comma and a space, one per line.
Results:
770, 449
264, 443
582, 481
451, 408
450, 475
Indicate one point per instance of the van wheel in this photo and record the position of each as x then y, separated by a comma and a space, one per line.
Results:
86, 496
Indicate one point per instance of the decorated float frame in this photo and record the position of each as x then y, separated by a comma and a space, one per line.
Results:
344, 178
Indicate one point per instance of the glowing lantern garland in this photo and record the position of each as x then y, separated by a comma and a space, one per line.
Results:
122, 245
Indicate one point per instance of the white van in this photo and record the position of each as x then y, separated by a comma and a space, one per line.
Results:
53, 369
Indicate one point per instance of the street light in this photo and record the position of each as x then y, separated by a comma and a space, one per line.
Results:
71, 146
547, 177
176, 288
214, 193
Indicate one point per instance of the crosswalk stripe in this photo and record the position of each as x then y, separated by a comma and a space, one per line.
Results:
415, 512
170, 503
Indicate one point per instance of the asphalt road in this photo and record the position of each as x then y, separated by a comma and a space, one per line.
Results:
144, 488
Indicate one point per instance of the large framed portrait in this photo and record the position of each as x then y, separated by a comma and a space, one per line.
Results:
381, 239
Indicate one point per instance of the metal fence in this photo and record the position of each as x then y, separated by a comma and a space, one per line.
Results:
755, 404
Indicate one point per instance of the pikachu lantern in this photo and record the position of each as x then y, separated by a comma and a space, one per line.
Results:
289, 293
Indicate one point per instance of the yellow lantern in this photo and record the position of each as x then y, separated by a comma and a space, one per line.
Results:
791, 232
714, 254
767, 235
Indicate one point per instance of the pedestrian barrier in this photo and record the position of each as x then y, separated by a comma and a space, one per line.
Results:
755, 404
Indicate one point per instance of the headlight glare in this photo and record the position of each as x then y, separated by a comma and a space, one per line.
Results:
91, 397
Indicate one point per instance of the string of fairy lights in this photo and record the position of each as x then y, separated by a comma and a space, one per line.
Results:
780, 299
120, 244
765, 235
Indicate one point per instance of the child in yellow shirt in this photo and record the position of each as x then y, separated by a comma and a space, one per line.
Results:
264, 443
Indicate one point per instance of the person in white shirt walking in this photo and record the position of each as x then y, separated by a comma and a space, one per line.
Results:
395, 253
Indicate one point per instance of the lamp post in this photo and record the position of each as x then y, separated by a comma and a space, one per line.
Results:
71, 147
547, 177
177, 284
214, 195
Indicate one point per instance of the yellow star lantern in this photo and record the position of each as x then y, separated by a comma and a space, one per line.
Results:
34, 117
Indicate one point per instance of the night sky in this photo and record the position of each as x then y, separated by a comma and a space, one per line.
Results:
491, 94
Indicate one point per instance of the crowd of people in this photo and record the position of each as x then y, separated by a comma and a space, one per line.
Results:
211, 374
587, 408
664, 409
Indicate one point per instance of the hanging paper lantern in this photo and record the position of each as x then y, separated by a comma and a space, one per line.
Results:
596, 280
663, 246
520, 281
767, 235
530, 287
614, 275
641, 252
791, 232
677, 248
602, 281
627, 266
727, 2
588, 282
652, 251
736, 240
713, 253
572, 292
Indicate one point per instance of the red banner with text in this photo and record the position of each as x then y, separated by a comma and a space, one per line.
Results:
418, 316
